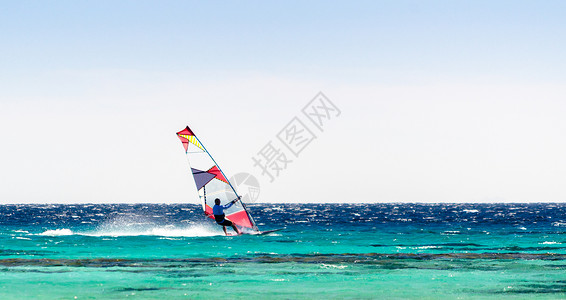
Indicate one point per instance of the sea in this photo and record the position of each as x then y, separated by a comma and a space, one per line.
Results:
325, 251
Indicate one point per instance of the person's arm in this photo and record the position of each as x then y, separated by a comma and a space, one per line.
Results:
231, 203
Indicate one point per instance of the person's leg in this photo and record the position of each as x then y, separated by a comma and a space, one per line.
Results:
236, 229
224, 228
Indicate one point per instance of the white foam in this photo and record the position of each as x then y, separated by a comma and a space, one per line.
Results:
57, 232
140, 225
329, 266
166, 231
551, 243
426, 247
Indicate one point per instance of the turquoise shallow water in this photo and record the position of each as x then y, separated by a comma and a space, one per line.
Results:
357, 251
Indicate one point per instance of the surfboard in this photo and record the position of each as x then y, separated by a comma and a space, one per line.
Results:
256, 232
267, 231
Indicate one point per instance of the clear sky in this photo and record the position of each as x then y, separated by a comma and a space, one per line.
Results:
441, 101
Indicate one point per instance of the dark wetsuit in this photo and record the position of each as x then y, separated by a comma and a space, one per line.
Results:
219, 216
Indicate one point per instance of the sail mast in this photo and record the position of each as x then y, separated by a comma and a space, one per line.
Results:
211, 181
229, 183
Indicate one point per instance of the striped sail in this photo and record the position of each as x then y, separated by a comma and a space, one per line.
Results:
211, 183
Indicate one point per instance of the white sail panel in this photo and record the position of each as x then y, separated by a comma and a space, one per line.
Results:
211, 183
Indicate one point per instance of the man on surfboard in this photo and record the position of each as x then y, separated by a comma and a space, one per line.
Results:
220, 217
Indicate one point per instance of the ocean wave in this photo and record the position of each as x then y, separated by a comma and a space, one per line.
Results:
550, 243
57, 232
164, 231
453, 215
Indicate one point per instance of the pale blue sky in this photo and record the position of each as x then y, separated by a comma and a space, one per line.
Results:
447, 38
443, 101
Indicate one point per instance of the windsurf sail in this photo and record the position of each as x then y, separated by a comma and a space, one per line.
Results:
212, 183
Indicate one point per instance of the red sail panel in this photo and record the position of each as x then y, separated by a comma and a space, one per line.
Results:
214, 170
208, 211
186, 131
240, 218
184, 140
208, 188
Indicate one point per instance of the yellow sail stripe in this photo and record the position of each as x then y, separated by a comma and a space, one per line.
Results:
193, 140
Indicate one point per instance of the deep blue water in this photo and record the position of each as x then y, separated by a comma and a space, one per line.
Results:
326, 250
550, 215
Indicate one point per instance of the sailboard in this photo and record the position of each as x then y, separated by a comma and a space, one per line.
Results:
212, 183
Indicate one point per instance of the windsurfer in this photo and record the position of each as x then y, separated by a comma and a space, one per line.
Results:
220, 217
